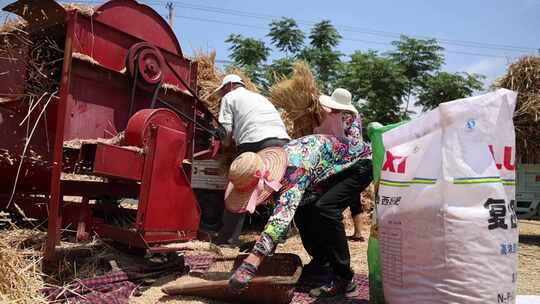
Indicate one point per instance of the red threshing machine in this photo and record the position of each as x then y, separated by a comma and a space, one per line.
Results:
122, 72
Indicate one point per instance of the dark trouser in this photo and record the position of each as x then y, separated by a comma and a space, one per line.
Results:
320, 222
233, 222
355, 204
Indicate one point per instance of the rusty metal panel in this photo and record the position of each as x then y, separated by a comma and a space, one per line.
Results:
115, 161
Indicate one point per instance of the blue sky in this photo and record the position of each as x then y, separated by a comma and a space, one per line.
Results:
493, 26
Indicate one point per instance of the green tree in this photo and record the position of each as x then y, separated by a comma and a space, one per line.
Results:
325, 63
412, 71
286, 36
247, 51
278, 68
377, 79
321, 53
419, 59
324, 35
445, 86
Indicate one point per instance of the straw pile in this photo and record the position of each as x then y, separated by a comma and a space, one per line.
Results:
20, 268
298, 97
523, 76
21, 256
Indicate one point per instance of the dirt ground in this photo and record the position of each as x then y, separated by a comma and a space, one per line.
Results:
529, 258
528, 272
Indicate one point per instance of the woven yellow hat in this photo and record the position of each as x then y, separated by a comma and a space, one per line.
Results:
253, 177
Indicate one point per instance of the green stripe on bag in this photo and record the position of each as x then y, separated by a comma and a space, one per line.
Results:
394, 184
477, 180
403, 184
420, 180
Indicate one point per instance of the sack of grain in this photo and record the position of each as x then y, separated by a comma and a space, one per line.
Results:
445, 208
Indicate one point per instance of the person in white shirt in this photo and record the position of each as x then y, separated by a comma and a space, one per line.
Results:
253, 123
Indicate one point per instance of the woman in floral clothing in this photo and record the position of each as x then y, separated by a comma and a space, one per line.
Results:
311, 160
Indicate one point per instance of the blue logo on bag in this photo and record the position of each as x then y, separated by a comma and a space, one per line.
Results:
471, 124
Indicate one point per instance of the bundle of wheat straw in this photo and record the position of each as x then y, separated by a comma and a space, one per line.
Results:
289, 124
523, 76
298, 97
208, 79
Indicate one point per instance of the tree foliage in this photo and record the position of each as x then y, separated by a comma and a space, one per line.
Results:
278, 68
418, 57
322, 55
247, 51
286, 36
388, 81
446, 86
324, 35
378, 80
325, 63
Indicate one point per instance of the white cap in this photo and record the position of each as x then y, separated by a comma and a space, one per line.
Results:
231, 78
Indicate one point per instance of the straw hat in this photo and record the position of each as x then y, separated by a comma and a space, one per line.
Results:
253, 177
341, 99
231, 78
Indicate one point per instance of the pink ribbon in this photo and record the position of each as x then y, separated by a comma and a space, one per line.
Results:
264, 180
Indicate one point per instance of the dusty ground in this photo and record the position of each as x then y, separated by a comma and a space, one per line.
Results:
293, 245
528, 278
529, 258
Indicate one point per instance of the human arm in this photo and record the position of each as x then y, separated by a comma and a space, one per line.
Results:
275, 231
226, 119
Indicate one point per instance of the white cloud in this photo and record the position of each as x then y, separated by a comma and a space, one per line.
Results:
492, 68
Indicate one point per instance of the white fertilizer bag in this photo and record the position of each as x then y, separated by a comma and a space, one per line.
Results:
448, 228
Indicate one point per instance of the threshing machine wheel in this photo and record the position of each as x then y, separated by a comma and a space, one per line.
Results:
145, 64
140, 124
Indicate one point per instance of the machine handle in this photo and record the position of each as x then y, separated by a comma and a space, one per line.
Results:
209, 153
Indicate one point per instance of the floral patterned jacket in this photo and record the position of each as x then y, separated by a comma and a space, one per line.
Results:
312, 159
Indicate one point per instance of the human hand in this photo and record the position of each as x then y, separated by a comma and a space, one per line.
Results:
242, 277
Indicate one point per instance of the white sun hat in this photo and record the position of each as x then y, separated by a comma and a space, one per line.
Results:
231, 78
341, 99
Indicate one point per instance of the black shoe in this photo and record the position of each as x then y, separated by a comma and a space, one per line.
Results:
337, 288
